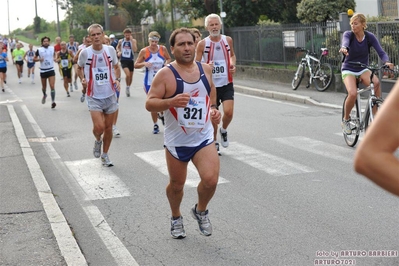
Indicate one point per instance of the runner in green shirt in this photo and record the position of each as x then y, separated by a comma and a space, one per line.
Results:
18, 59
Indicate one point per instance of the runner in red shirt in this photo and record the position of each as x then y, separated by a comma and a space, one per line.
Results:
57, 48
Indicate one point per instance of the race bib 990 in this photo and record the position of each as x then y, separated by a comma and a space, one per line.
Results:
219, 69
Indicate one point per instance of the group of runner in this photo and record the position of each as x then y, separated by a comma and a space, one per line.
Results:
18, 56
184, 94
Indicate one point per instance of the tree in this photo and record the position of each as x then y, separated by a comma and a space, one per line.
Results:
86, 14
283, 11
322, 10
243, 12
136, 9
247, 12
198, 9
99, 2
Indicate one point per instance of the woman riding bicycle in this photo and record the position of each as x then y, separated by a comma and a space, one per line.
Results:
356, 47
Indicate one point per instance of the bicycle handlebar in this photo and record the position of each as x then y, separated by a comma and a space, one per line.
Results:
308, 52
372, 68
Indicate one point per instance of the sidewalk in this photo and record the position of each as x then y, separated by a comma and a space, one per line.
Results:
283, 91
26, 237
26, 233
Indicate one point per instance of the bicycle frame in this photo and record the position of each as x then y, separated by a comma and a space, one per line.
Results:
370, 99
308, 59
320, 73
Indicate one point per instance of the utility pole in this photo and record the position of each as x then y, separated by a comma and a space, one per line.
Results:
8, 12
58, 20
172, 14
222, 14
106, 14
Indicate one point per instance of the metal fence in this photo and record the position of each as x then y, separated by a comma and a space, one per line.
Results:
262, 45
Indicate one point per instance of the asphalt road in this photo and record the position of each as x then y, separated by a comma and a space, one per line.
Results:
287, 192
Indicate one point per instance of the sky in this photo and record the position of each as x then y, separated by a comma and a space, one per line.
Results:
22, 13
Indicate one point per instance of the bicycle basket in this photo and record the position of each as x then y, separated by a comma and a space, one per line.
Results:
325, 52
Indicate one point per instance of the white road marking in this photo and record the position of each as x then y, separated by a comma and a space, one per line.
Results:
65, 240
47, 146
10, 101
111, 241
157, 160
265, 162
116, 248
341, 135
340, 153
97, 181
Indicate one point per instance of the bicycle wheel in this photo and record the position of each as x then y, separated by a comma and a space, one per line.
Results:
369, 117
323, 77
354, 117
296, 81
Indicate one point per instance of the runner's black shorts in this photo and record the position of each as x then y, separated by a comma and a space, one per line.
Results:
224, 93
67, 72
127, 64
47, 74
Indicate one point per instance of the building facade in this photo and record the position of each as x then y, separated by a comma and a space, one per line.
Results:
375, 8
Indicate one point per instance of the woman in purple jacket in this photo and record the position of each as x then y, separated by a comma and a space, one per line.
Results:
356, 47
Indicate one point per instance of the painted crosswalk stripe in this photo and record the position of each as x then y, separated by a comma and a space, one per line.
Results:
318, 147
97, 181
271, 164
157, 160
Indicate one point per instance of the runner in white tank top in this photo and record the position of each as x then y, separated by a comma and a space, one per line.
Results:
46, 56
153, 58
185, 91
191, 125
217, 50
98, 71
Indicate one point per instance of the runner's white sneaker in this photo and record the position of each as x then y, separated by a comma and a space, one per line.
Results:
106, 161
97, 148
202, 218
44, 98
115, 131
223, 136
346, 127
177, 228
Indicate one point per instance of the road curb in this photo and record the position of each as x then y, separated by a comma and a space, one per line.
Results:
283, 96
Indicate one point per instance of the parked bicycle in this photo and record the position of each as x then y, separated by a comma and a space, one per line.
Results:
321, 74
359, 120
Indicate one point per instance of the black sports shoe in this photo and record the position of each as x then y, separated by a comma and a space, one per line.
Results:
162, 118
156, 129
217, 148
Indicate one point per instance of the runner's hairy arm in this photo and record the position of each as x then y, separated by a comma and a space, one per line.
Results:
375, 157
